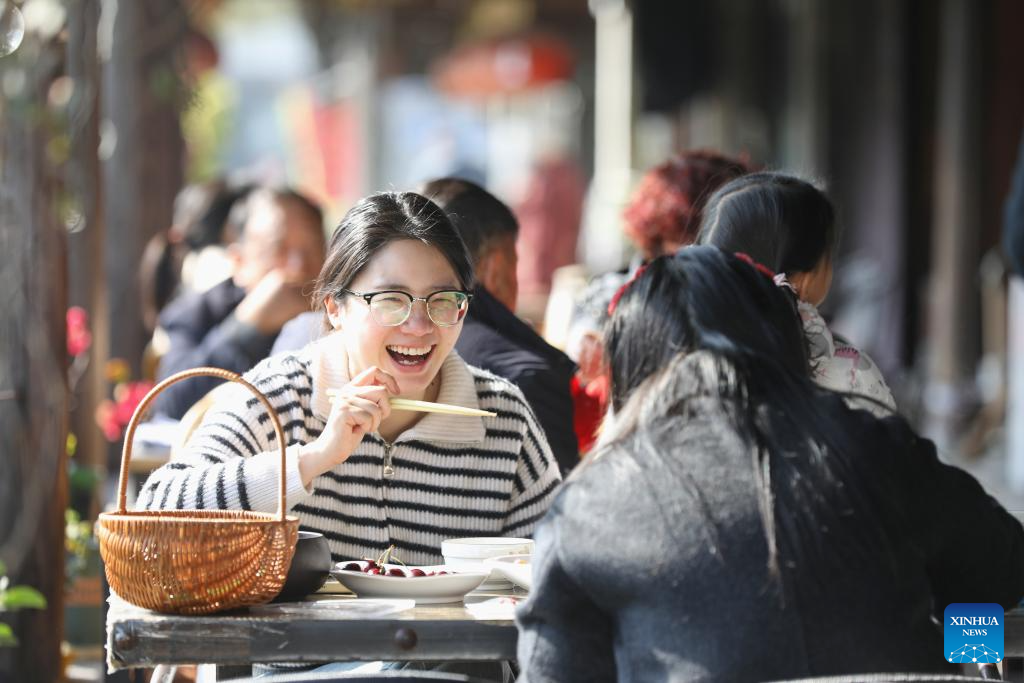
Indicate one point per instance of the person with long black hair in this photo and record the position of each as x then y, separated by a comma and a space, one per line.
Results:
790, 226
741, 523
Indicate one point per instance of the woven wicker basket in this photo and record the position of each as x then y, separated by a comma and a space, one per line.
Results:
196, 561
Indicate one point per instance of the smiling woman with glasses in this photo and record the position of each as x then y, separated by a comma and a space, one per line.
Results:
394, 290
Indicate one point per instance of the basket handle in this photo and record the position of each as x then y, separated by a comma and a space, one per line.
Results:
140, 411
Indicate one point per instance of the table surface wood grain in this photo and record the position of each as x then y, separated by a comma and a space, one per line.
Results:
479, 629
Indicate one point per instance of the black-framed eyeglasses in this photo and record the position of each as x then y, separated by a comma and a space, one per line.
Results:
391, 308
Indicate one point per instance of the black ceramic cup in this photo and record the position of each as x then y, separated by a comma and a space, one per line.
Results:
310, 568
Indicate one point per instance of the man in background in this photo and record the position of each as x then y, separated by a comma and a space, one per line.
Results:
278, 247
493, 338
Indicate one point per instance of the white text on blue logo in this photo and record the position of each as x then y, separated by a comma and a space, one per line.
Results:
974, 621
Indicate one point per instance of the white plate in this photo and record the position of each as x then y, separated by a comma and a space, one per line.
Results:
515, 568
425, 590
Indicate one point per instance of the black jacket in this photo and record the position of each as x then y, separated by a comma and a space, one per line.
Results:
203, 331
653, 566
494, 339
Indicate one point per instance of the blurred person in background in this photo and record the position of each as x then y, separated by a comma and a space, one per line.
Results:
752, 526
277, 249
585, 343
665, 211
663, 214
207, 263
789, 226
493, 338
191, 252
549, 221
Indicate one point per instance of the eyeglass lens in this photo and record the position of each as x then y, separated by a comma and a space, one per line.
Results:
394, 308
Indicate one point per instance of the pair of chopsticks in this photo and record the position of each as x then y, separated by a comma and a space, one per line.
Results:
428, 407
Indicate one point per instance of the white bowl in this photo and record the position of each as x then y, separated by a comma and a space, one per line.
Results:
516, 568
424, 590
468, 554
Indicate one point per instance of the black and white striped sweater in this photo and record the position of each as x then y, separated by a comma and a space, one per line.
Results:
452, 476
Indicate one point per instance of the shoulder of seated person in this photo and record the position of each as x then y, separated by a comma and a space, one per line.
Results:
284, 365
545, 377
488, 380
513, 356
596, 481
876, 434
225, 295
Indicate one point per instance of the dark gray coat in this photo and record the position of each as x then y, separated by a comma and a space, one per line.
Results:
653, 566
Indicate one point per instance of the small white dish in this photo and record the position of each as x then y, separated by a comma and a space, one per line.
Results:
469, 554
516, 568
425, 590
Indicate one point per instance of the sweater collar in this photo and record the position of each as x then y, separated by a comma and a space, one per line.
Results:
458, 387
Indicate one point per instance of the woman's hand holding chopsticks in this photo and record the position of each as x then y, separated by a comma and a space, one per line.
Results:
356, 409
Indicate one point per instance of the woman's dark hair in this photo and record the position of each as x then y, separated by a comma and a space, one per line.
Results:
376, 221
211, 227
701, 299
481, 218
783, 222
704, 324
199, 220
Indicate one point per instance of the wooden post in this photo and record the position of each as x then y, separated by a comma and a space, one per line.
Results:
953, 285
803, 126
87, 284
602, 245
867, 164
142, 151
33, 357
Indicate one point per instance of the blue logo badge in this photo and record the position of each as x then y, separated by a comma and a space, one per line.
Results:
973, 632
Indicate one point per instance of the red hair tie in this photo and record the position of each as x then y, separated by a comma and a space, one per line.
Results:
622, 290
763, 269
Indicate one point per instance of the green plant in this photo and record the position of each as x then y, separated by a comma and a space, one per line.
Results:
13, 598
78, 543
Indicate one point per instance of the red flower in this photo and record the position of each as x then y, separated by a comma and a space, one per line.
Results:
128, 397
107, 420
79, 337
114, 416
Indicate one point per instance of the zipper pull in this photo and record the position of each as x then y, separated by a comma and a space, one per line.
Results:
389, 467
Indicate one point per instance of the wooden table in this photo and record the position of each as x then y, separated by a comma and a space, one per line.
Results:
447, 632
